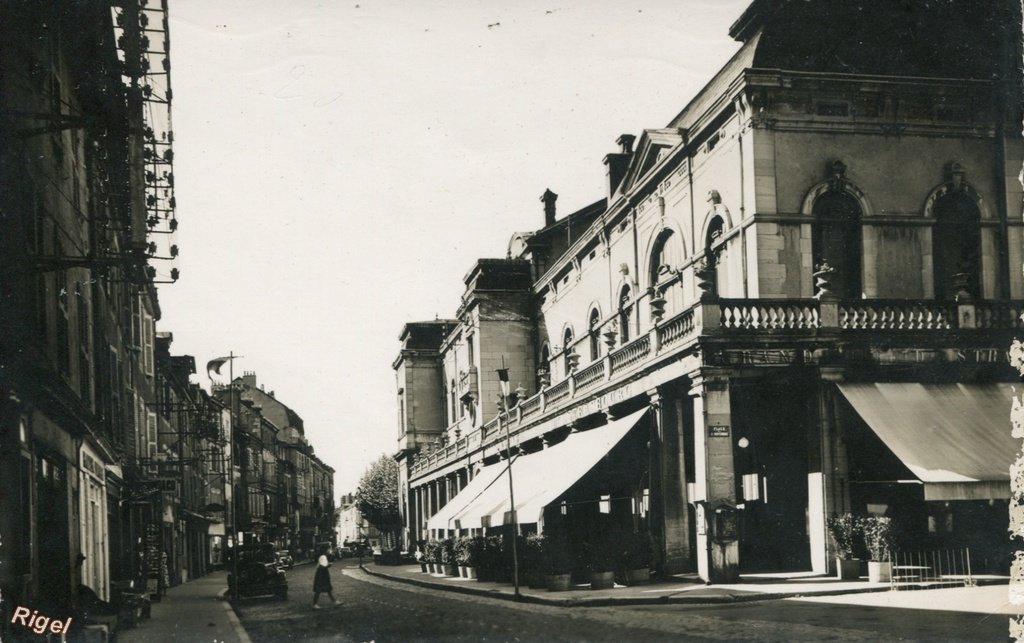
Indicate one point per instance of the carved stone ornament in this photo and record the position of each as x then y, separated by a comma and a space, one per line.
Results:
704, 271
657, 303
714, 198
955, 176
823, 281
836, 175
610, 334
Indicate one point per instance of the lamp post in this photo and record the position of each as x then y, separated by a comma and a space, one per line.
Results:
503, 409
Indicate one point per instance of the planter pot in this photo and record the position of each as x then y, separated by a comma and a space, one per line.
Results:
602, 580
451, 570
462, 572
471, 573
879, 572
638, 576
423, 567
847, 569
430, 568
558, 582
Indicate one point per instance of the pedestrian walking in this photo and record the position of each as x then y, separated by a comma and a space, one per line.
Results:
322, 581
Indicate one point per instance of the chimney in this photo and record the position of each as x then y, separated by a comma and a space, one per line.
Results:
618, 163
549, 199
249, 379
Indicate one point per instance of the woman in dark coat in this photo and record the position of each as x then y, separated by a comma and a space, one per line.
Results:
322, 582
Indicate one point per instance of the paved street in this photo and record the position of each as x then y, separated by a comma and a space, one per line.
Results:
380, 610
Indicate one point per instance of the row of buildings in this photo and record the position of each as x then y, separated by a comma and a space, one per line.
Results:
793, 301
116, 468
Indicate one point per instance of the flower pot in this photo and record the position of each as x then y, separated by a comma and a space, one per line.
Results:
471, 573
463, 571
602, 580
432, 568
638, 576
847, 569
423, 567
450, 570
558, 582
879, 572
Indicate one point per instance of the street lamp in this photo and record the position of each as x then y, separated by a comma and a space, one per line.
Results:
503, 409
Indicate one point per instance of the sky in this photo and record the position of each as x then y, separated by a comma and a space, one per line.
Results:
340, 166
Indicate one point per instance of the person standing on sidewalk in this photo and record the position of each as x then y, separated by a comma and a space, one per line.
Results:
322, 581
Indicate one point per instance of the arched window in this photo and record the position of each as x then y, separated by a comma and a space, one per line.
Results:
457, 410
836, 240
625, 313
567, 349
715, 251
956, 245
544, 367
593, 334
666, 257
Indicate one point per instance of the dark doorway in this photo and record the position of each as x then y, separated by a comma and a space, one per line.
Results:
770, 432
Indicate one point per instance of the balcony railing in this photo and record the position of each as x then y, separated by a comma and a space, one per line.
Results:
740, 317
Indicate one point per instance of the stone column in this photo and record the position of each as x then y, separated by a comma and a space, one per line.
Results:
715, 476
828, 490
670, 518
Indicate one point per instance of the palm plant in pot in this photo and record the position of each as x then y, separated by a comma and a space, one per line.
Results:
557, 563
637, 557
877, 532
844, 529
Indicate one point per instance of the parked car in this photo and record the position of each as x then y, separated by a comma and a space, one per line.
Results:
284, 559
259, 579
345, 552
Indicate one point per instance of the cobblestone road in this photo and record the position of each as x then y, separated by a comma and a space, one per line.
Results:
372, 609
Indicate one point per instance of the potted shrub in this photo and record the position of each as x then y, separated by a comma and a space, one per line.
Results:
431, 554
603, 555
844, 529
532, 567
448, 557
637, 557
877, 532
464, 557
489, 561
557, 563
421, 555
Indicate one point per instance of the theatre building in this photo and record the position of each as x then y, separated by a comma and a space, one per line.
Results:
794, 301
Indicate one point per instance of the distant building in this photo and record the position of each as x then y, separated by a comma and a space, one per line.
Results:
793, 301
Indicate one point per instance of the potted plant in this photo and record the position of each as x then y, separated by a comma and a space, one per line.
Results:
557, 563
489, 557
434, 549
844, 529
877, 532
532, 566
464, 556
421, 555
637, 556
603, 555
448, 557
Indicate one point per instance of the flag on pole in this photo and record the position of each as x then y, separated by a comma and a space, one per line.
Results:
214, 365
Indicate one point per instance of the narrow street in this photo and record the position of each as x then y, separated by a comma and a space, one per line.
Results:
372, 609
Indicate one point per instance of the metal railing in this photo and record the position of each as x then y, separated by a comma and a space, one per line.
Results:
931, 569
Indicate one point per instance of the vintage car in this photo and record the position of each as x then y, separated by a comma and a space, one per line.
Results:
284, 559
259, 579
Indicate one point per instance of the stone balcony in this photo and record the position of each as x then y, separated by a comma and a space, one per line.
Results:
726, 322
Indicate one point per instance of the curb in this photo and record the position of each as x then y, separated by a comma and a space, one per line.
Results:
724, 599
236, 624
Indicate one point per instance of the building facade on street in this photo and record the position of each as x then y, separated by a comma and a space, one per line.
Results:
87, 200
285, 492
793, 302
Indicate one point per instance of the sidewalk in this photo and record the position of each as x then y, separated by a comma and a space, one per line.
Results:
688, 589
192, 611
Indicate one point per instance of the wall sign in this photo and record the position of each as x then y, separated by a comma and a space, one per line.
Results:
718, 431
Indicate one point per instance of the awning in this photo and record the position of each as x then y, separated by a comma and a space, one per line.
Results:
540, 478
954, 437
480, 482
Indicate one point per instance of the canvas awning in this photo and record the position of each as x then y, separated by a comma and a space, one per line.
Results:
954, 437
540, 478
480, 482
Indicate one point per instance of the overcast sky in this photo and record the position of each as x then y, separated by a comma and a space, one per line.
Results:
340, 166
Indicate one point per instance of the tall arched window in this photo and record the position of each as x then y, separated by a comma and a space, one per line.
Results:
593, 335
544, 367
715, 252
567, 349
457, 410
667, 257
836, 240
448, 417
625, 313
956, 245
